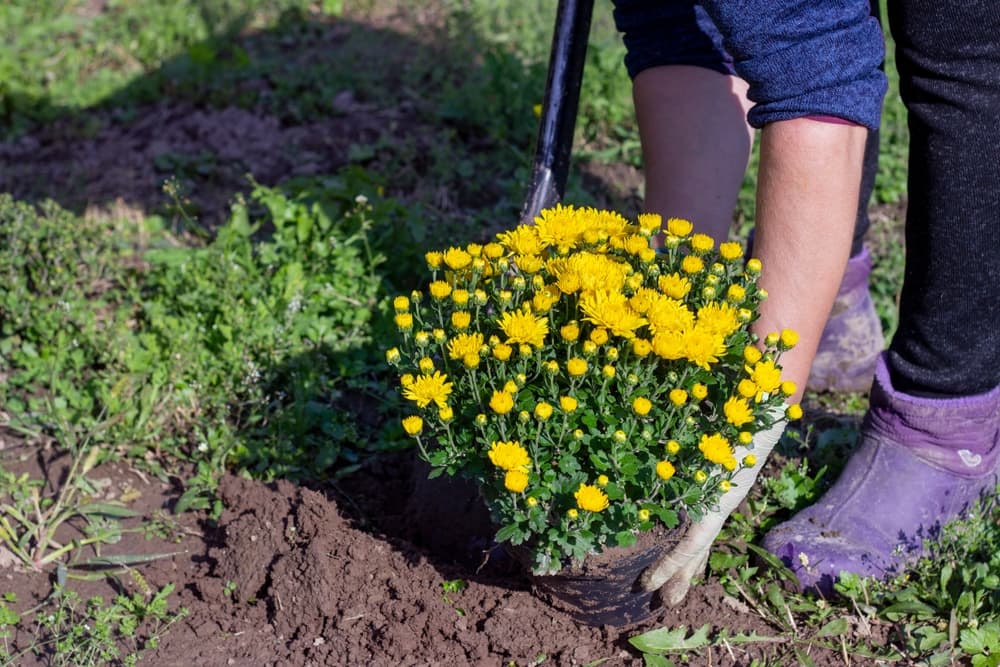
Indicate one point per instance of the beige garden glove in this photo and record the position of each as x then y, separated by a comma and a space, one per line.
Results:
672, 574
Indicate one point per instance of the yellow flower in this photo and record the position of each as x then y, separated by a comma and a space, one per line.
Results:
599, 336
736, 294
737, 411
678, 397
439, 335
434, 259
493, 250
529, 264
789, 339
510, 387
794, 411
515, 481
788, 388
524, 350
745, 438
717, 449
700, 476
609, 371
602, 480
509, 455
692, 264
642, 406
702, 243
751, 354
401, 304
643, 515
590, 498
523, 327
771, 339
718, 317
746, 388
474, 249
439, 289
543, 300
612, 353
669, 344
522, 240
446, 414
532, 501
725, 485
699, 391
471, 360
749, 461
460, 319
730, 251
426, 389
543, 410
457, 259
421, 338
460, 297
465, 344
576, 366
392, 355
753, 266
610, 310
481, 419
413, 425
406, 379
559, 227
665, 470
641, 347
674, 285
589, 347
766, 377
679, 226
404, 321
502, 351
572, 513
673, 446
426, 364
501, 402
551, 366
620, 436
650, 223
703, 347
567, 403
569, 332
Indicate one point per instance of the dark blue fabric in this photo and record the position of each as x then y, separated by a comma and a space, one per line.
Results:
799, 57
660, 33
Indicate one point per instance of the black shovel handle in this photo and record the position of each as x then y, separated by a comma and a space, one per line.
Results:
562, 99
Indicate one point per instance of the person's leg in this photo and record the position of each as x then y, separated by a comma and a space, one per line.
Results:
695, 143
931, 438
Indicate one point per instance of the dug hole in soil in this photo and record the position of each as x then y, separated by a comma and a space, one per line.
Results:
361, 575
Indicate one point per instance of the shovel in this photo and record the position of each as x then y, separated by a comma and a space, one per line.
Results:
562, 97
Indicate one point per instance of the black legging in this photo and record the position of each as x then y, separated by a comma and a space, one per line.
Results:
948, 56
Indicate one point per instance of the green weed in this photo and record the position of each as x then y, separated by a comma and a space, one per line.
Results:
70, 632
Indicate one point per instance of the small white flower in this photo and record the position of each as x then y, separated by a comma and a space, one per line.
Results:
804, 559
361, 199
202, 446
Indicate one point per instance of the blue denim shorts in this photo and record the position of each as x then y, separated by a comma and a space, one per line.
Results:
798, 57
669, 33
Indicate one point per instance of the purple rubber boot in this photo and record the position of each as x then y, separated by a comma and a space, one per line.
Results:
852, 338
921, 463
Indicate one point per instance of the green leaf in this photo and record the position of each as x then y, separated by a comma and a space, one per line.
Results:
665, 640
124, 559
908, 608
508, 533
650, 660
834, 628
112, 510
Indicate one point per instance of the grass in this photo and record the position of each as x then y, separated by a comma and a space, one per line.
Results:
249, 346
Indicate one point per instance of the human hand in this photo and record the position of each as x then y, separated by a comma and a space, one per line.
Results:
673, 572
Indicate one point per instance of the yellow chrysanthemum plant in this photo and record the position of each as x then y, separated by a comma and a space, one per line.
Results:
591, 386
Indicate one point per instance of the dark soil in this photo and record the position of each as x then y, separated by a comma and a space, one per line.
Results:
357, 575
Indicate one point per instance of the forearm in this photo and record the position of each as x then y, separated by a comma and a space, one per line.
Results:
810, 174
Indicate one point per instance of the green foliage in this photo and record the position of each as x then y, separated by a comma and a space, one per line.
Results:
70, 632
243, 350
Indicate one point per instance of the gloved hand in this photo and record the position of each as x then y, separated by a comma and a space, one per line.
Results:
673, 572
